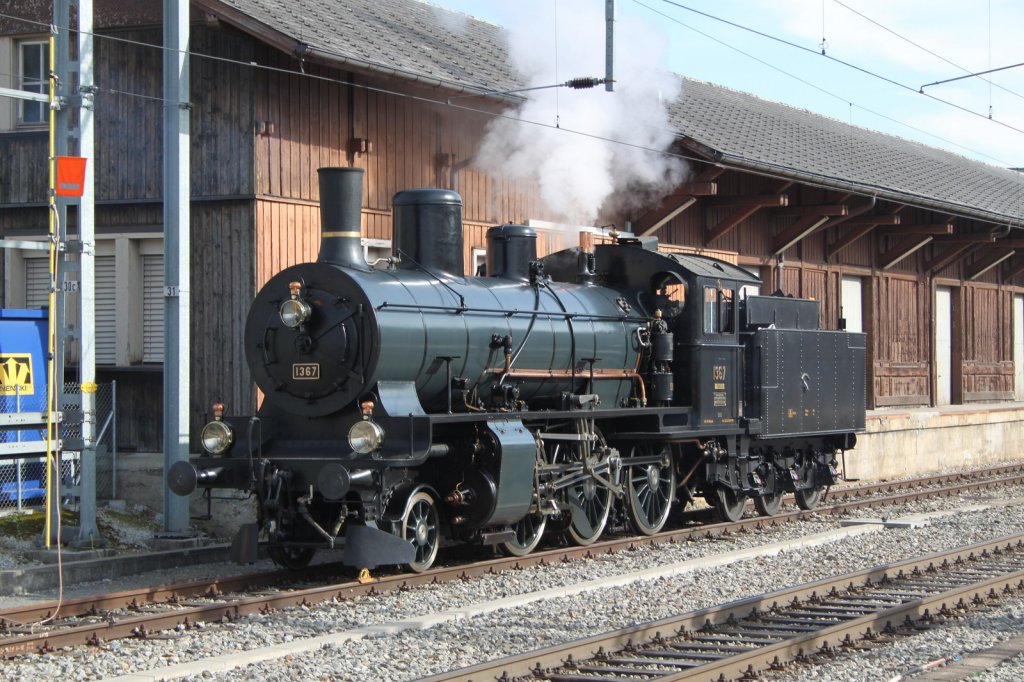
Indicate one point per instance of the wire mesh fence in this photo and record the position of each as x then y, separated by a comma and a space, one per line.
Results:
23, 479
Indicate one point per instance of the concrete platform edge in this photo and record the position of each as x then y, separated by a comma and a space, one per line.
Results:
45, 578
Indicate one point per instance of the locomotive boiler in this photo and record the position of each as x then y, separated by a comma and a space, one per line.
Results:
407, 405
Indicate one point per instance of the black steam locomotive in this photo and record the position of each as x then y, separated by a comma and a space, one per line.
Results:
407, 405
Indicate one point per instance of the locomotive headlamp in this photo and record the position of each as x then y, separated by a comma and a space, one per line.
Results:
294, 311
365, 436
217, 436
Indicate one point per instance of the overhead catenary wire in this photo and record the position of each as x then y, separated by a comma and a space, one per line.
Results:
484, 91
770, 169
850, 65
818, 87
932, 53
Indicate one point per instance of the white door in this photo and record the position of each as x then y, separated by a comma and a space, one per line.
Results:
853, 307
943, 345
1018, 347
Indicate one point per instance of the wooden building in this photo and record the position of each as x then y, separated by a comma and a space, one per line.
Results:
911, 244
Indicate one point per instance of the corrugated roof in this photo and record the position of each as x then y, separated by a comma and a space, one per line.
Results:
423, 42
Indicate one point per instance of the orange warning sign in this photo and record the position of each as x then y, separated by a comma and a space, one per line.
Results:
70, 176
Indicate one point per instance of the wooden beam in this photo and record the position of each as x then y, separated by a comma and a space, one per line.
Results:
946, 257
966, 239
655, 220
902, 250
797, 231
873, 220
1014, 270
823, 210
729, 223
849, 238
751, 201
980, 267
681, 199
1010, 243
907, 230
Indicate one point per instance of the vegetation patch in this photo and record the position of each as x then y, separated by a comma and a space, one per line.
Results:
21, 526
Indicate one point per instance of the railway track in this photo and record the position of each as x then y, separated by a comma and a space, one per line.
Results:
146, 611
741, 639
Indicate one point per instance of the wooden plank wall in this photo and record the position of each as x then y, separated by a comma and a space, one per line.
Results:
288, 233
222, 265
26, 174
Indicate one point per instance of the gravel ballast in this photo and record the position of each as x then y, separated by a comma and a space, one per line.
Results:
413, 653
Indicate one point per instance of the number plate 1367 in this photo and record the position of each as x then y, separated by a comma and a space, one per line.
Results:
306, 370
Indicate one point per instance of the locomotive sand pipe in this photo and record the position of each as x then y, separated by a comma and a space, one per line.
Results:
341, 207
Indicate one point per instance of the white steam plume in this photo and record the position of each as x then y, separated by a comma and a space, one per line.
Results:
579, 171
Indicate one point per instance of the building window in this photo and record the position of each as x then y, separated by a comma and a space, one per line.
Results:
479, 262
375, 249
33, 72
129, 300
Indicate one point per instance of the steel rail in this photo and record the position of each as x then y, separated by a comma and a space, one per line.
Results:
174, 595
746, 665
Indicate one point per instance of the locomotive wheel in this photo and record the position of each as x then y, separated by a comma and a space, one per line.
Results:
590, 502
292, 558
649, 492
528, 532
768, 505
808, 498
420, 526
728, 504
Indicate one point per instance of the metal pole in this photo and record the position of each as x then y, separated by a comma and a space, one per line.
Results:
88, 532
113, 439
176, 255
609, 45
55, 343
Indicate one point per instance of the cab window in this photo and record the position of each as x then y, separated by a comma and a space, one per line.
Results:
669, 295
719, 307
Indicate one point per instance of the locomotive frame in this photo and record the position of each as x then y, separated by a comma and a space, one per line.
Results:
408, 406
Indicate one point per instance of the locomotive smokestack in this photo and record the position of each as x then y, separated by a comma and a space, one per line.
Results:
341, 207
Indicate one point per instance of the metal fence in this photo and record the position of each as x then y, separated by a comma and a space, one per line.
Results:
23, 480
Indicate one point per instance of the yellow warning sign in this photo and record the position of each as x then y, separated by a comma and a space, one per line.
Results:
16, 374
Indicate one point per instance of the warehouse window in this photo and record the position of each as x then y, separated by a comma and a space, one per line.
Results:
33, 70
37, 283
129, 327
106, 310
153, 308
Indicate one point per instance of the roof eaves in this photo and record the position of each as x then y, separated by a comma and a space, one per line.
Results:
882, 192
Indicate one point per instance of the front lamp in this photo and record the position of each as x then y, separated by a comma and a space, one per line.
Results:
217, 437
294, 312
365, 436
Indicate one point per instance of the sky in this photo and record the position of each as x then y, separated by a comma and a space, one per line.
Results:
904, 44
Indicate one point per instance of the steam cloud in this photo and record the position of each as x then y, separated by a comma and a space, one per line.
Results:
579, 172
